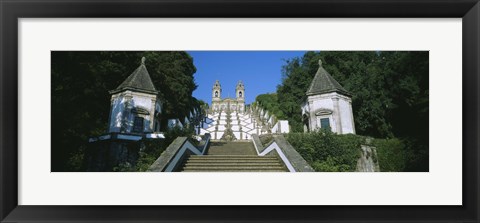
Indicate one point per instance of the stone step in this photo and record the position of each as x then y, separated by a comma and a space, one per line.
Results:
211, 157
231, 161
233, 168
236, 155
272, 164
232, 158
224, 170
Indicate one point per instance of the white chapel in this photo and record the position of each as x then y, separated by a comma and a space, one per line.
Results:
135, 107
328, 105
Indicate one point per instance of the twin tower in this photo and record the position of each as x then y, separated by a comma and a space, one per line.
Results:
236, 104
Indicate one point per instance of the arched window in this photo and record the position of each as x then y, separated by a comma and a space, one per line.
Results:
240, 94
216, 93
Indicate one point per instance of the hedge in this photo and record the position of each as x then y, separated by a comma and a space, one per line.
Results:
326, 151
329, 152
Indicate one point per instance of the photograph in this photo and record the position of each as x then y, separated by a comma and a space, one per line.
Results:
240, 111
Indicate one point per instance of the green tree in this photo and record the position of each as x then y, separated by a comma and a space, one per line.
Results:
172, 74
270, 103
291, 93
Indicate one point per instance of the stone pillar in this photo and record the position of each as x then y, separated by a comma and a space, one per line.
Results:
351, 116
336, 115
152, 114
312, 118
110, 124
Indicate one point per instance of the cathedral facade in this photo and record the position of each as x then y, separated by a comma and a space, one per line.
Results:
233, 104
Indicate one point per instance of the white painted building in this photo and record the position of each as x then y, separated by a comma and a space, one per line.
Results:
134, 104
328, 105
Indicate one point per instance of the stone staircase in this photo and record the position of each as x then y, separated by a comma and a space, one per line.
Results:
232, 157
242, 124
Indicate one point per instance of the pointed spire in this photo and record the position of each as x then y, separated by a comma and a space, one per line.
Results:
239, 84
323, 83
139, 80
216, 84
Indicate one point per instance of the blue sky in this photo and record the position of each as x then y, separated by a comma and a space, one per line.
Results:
260, 71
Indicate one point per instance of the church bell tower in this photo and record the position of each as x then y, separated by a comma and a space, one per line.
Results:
216, 95
240, 93
216, 91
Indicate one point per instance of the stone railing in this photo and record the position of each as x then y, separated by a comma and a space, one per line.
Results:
271, 122
281, 126
290, 157
176, 152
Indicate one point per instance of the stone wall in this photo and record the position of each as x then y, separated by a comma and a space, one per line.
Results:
104, 156
368, 161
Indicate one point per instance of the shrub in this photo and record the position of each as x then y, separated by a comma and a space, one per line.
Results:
391, 154
151, 149
401, 155
172, 133
327, 151
330, 165
266, 139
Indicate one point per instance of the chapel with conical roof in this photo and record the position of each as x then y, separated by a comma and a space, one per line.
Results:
134, 105
134, 115
328, 105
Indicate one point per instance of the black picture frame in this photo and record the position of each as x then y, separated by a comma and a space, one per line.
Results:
11, 11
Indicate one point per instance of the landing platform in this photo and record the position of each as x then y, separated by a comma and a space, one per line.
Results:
231, 148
